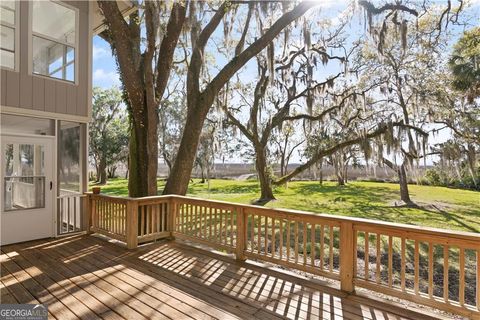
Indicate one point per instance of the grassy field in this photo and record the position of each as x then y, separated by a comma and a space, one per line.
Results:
437, 206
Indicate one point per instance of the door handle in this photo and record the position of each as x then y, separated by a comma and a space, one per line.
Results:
51, 185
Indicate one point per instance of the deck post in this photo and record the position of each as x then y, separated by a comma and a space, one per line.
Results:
132, 224
346, 256
87, 213
93, 213
241, 234
173, 216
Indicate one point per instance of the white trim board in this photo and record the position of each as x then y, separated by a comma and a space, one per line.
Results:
43, 114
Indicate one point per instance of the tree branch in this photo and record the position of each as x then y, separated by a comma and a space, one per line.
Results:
253, 49
386, 7
326, 152
168, 45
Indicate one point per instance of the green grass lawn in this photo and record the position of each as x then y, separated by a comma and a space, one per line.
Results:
438, 206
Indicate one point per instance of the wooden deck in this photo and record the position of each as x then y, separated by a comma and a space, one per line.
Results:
86, 277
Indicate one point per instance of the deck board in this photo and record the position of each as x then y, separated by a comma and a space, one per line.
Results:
84, 277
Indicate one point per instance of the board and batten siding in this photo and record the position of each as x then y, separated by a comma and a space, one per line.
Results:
21, 89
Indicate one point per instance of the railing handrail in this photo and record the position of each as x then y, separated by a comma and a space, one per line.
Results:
464, 235
423, 230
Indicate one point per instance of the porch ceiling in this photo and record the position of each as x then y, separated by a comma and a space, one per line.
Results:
98, 25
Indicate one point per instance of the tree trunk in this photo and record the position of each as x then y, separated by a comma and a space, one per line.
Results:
167, 162
202, 171
282, 165
143, 158
263, 175
97, 173
340, 180
111, 172
179, 177
102, 169
403, 181
471, 159
337, 164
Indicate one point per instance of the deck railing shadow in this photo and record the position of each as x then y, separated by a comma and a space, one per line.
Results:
434, 267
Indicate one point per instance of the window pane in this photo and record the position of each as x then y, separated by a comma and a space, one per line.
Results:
69, 157
70, 76
8, 156
55, 57
24, 183
7, 11
57, 74
49, 58
26, 160
7, 40
54, 20
24, 193
70, 54
7, 59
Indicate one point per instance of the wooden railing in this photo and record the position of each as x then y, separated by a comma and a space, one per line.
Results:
130, 220
69, 209
438, 268
108, 216
434, 267
153, 219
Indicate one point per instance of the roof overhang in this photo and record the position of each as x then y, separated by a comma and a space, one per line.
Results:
98, 24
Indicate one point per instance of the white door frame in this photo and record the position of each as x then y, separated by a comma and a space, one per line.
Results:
50, 152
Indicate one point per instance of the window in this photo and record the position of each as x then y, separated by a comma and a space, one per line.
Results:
54, 40
8, 21
24, 176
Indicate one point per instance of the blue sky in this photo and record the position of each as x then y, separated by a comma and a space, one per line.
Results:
104, 68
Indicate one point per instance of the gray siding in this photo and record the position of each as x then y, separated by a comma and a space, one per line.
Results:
23, 90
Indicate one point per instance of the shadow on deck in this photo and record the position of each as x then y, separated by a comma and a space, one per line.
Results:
87, 277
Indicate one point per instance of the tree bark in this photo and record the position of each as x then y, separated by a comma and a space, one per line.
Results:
111, 172
179, 177
202, 172
340, 180
102, 170
263, 175
403, 181
138, 162
345, 173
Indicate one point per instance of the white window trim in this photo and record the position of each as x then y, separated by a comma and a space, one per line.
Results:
75, 46
16, 28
